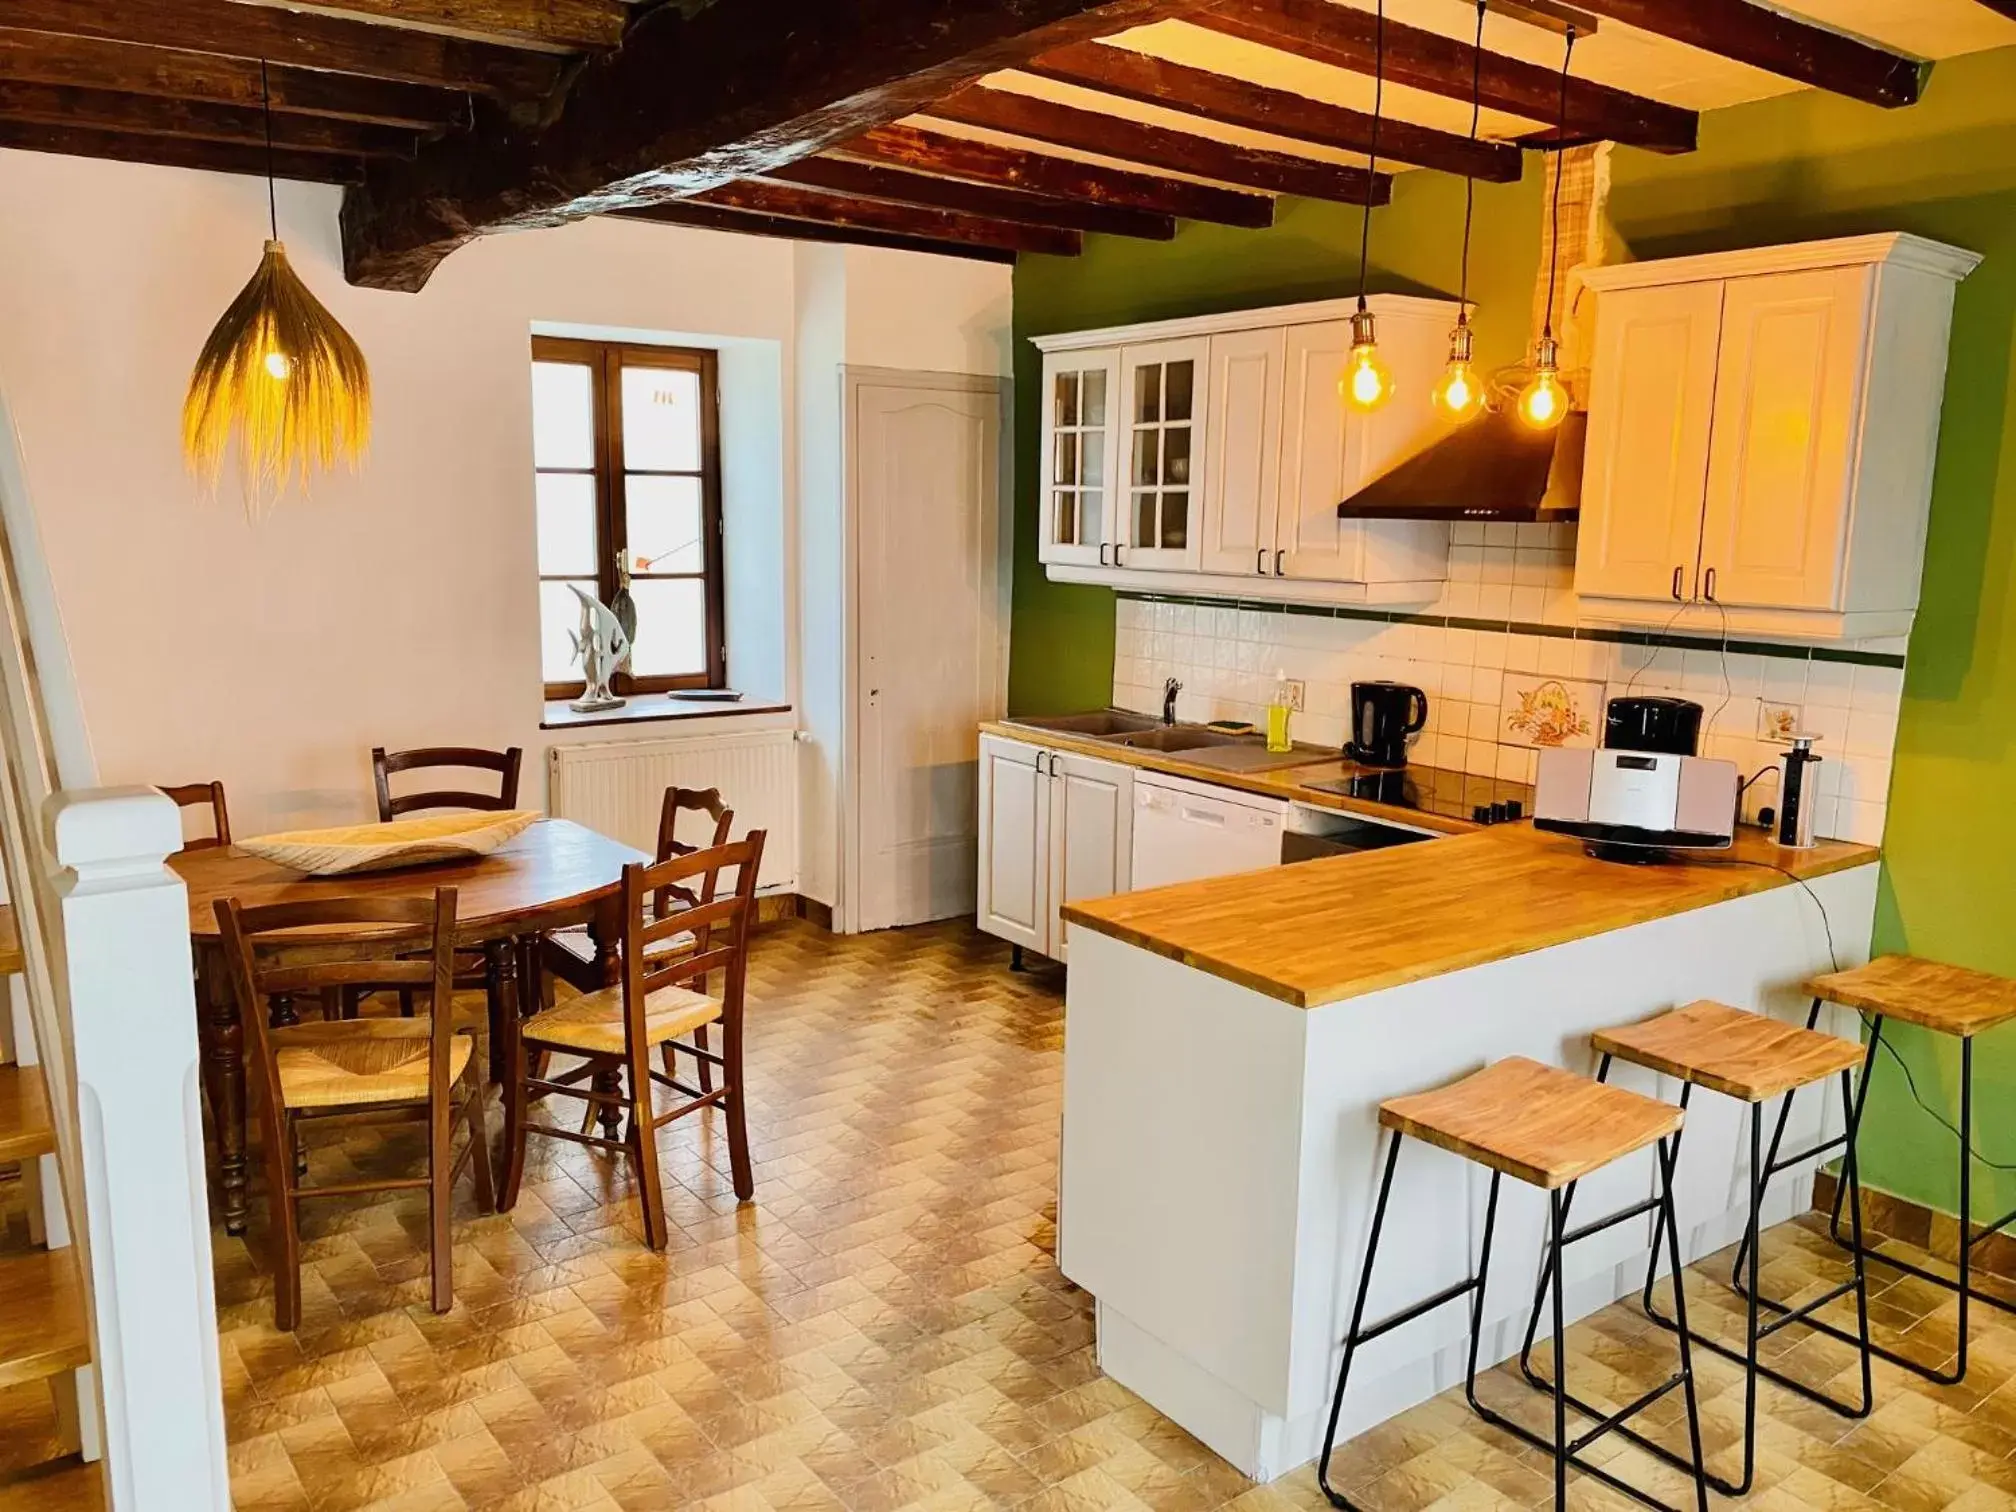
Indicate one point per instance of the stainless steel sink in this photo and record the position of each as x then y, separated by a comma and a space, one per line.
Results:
1174, 738
1100, 724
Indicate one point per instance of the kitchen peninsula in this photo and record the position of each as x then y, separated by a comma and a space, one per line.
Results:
1228, 1042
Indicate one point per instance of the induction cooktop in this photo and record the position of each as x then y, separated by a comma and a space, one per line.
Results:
1430, 790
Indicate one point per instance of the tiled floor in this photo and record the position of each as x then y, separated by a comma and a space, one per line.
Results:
885, 1327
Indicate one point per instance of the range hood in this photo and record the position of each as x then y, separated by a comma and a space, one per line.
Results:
1495, 468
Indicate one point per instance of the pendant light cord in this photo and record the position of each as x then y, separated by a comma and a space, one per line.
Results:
1372, 156
266, 104
1470, 178
1554, 214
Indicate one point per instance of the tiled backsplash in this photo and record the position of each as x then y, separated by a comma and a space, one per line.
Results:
1505, 667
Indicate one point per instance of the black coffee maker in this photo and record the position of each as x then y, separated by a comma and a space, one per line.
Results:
1383, 715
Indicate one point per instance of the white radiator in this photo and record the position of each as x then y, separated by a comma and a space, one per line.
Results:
618, 786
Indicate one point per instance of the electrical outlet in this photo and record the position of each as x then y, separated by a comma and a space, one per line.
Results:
1294, 687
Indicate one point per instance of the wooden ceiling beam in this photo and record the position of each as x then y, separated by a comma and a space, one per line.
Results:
1343, 37
291, 37
744, 223
151, 115
89, 63
978, 162
179, 152
1236, 102
1159, 147
896, 187
551, 25
697, 98
1777, 43
787, 202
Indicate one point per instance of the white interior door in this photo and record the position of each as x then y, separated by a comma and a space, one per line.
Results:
1649, 416
1788, 391
929, 620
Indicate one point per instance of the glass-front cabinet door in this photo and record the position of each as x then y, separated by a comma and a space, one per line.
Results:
1081, 411
1163, 390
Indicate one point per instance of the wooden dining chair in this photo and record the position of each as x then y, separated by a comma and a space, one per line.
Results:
201, 795
385, 765
655, 1002
357, 1066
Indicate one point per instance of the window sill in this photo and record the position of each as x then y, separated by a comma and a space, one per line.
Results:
649, 708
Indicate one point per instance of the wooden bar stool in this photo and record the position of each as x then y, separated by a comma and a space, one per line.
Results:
1753, 1059
1950, 1000
1547, 1128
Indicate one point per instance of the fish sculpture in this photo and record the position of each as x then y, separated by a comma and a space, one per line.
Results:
600, 645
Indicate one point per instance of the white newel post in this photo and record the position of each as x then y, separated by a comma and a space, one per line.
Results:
125, 931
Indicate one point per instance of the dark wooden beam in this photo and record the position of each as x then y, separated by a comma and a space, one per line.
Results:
329, 42
89, 63
179, 152
978, 162
743, 223
1159, 147
554, 25
1776, 43
893, 186
151, 115
697, 98
1342, 36
1235, 102
789, 203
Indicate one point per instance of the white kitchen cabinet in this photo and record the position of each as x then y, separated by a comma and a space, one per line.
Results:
1235, 450
1055, 827
1762, 432
1078, 482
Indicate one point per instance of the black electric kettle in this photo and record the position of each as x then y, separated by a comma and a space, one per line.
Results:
1383, 715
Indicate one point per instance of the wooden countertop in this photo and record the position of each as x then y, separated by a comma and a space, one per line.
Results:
1327, 930
1283, 782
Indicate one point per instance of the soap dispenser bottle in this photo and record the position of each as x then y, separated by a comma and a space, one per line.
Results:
1278, 710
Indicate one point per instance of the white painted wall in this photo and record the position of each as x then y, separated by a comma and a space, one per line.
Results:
398, 606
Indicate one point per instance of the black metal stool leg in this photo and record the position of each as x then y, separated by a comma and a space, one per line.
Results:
1558, 1235
1778, 1138
1669, 1154
1351, 1337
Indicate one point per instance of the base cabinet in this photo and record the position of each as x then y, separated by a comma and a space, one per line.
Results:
1054, 828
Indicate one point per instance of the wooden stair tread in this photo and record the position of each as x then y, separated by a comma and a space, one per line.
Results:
1932, 995
1538, 1124
1742, 1055
42, 1324
10, 942
25, 1130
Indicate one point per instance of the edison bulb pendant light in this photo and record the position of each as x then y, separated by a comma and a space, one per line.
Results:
1367, 382
1457, 393
1543, 402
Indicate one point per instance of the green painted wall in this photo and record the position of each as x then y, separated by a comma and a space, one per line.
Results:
1803, 166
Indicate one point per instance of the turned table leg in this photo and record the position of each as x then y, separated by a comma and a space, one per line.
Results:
605, 929
224, 1072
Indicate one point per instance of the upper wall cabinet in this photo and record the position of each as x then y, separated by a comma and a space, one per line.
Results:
1209, 455
1762, 431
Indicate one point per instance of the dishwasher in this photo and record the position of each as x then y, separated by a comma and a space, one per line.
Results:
1187, 830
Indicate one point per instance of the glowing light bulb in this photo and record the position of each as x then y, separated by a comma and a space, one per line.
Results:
1367, 382
1457, 393
1544, 402
278, 365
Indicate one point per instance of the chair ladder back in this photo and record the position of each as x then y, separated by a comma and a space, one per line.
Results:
201, 795
385, 765
698, 801
729, 916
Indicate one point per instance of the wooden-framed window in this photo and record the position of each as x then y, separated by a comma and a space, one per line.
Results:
626, 449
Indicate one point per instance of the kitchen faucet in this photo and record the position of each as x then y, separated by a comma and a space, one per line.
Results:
1169, 691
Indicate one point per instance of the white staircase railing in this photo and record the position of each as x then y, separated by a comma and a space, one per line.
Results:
106, 973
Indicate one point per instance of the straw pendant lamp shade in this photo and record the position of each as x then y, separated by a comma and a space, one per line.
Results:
279, 383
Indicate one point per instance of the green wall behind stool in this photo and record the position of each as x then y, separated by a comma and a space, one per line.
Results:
1802, 166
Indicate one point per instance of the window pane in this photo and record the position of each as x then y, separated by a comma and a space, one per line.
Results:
566, 524
1063, 518
1090, 506
1176, 455
665, 525
1182, 376
1065, 465
559, 618
1144, 519
671, 627
1093, 446
1175, 520
563, 415
1148, 392
1067, 399
1145, 443
1094, 412
661, 419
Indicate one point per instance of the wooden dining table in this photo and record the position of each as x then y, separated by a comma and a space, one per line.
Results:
555, 875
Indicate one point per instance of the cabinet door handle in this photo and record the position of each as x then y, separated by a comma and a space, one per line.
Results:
1676, 585
1708, 588
1102, 553
1116, 553
1261, 565
1277, 562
